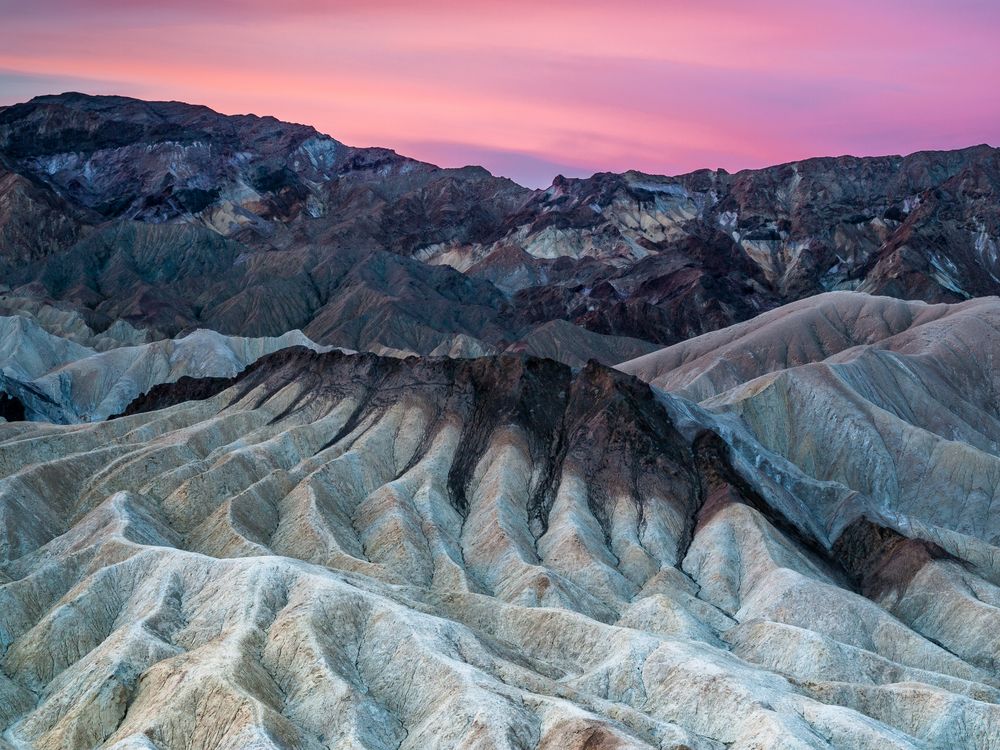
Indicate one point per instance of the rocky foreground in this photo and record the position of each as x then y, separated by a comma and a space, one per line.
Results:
351, 551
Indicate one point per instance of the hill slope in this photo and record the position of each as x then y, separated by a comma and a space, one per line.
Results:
476, 553
57, 380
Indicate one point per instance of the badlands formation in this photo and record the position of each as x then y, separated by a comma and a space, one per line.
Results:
304, 445
57, 380
786, 541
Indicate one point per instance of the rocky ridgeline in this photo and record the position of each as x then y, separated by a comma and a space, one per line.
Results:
175, 217
50, 378
495, 552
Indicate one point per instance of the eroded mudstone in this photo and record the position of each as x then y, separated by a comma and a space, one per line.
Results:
354, 551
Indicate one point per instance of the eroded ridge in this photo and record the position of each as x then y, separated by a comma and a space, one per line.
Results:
350, 551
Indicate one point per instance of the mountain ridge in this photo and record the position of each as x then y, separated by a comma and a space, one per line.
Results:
557, 178
273, 211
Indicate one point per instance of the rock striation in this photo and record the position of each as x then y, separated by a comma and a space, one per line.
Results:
342, 550
893, 402
57, 380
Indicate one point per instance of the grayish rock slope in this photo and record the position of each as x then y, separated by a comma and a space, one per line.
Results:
897, 402
359, 552
61, 381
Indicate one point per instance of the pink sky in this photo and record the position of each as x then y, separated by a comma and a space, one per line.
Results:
532, 89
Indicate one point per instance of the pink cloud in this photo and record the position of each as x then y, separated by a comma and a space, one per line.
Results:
658, 86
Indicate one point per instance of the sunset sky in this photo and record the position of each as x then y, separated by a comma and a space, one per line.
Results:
533, 89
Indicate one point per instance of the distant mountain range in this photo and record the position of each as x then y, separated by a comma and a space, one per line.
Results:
172, 217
